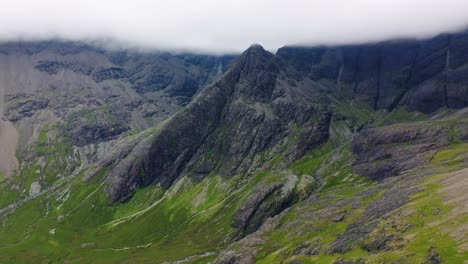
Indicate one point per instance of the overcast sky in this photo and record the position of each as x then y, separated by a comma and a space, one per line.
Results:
224, 26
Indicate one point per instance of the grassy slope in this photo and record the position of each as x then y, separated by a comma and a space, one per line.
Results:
430, 218
75, 223
83, 227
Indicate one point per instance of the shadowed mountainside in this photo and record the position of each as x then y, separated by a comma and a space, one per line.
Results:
423, 75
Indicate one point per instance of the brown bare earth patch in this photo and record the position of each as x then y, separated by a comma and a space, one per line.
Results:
455, 193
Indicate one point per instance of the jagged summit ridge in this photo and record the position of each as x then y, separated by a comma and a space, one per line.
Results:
231, 122
263, 95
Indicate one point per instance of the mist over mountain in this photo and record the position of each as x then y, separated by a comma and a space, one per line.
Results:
210, 26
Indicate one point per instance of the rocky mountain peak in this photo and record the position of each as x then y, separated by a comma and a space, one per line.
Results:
254, 54
253, 75
256, 48
245, 113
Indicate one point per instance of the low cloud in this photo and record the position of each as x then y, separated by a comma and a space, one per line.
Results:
219, 26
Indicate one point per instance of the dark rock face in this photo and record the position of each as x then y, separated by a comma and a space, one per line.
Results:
389, 151
342, 261
432, 257
354, 234
229, 259
245, 212
264, 202
423, 75
380, 243
84, 134
87, 127
53, 67
23, 105
246, 249
307, 248
110, 73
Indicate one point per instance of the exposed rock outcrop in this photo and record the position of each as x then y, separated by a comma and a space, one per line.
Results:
406, 148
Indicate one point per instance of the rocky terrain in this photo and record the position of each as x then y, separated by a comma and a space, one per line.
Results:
346, 154
92, 95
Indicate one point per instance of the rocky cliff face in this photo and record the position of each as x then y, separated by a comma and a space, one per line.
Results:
422, 75
241, 121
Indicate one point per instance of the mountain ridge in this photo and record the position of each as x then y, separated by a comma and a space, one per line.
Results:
220, 105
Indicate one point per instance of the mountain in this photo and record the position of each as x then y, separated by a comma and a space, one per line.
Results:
342, 154
94, 95
224, 130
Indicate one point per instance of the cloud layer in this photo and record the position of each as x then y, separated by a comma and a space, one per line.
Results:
226, 26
